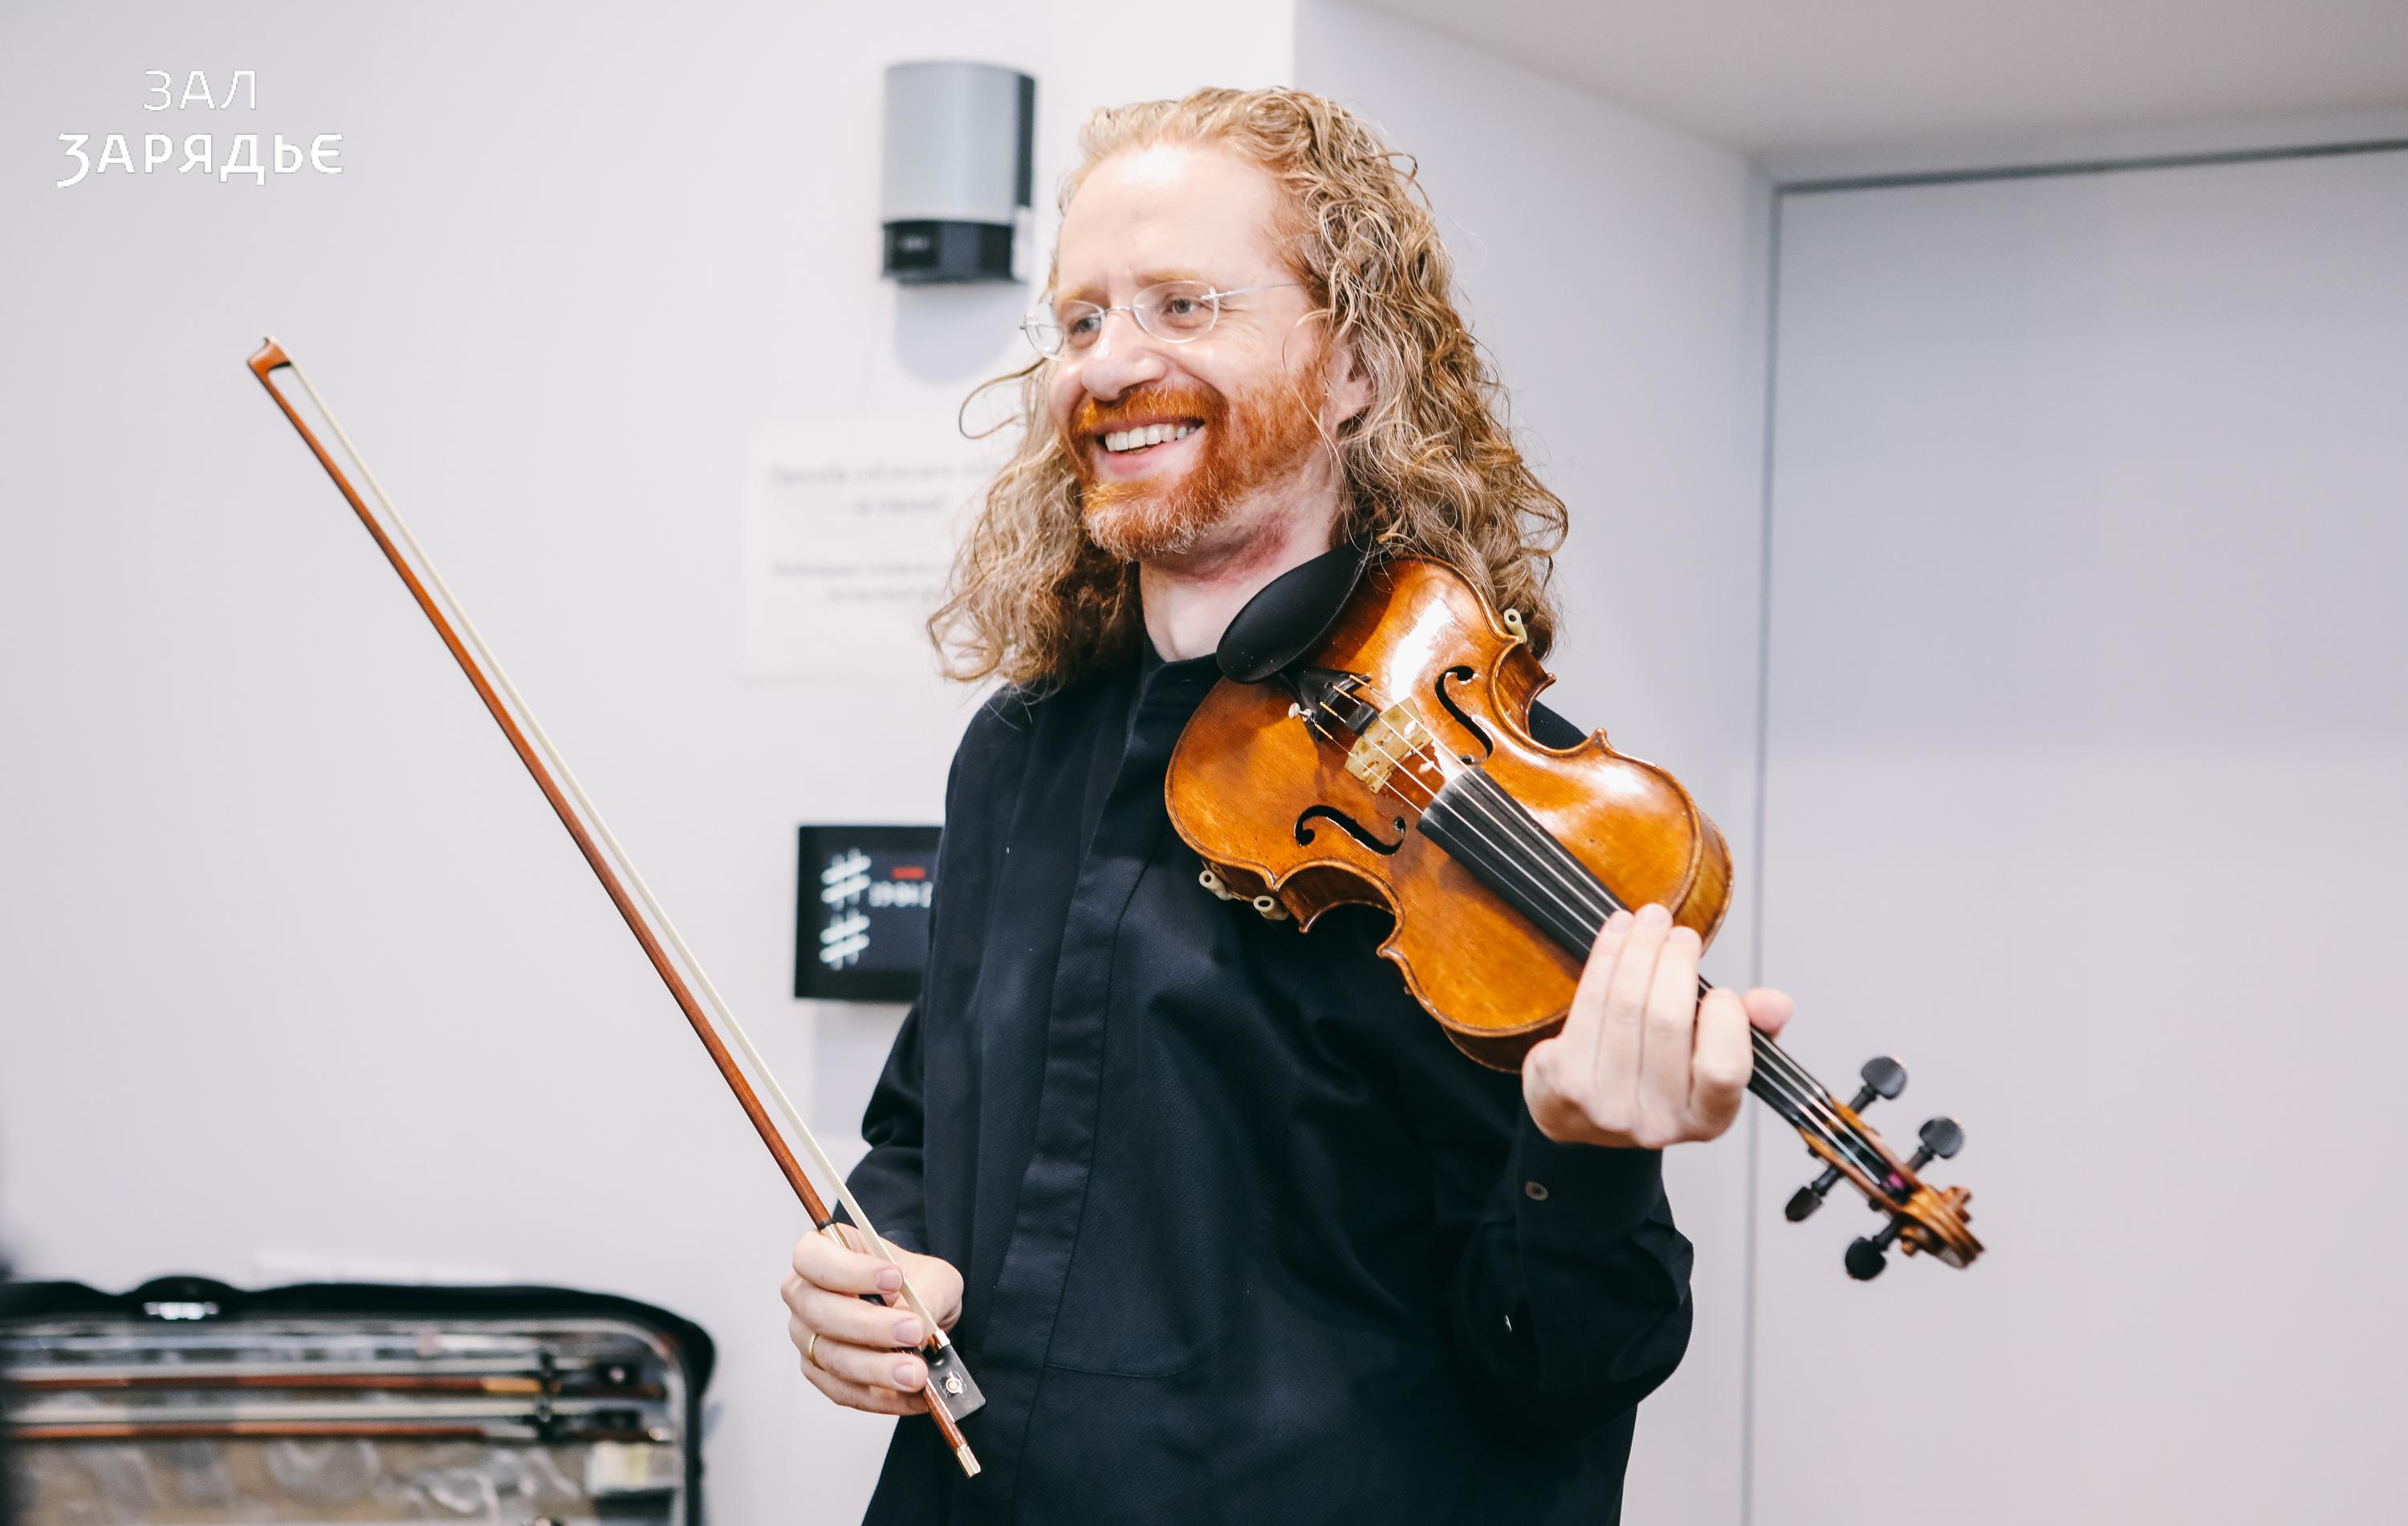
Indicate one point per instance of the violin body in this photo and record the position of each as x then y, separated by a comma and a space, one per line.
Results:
1273, 810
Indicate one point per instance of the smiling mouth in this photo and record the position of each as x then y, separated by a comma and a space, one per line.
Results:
1133, 442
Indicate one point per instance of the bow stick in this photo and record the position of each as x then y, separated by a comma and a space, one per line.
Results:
949, 1390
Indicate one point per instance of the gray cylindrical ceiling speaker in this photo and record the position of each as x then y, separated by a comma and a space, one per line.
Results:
959, 167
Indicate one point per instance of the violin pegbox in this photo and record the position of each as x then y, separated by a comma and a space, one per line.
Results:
1921, 1217
1883, 1078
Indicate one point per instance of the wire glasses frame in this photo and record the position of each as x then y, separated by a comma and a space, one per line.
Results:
1173, 311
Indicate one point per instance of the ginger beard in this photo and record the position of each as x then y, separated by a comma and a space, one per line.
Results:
1247, 442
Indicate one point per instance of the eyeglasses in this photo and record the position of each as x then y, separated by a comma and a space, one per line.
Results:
1175, 312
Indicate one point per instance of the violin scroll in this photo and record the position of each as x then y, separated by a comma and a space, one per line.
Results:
1922, 1218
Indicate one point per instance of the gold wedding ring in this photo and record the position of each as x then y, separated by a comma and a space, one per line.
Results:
811, 1350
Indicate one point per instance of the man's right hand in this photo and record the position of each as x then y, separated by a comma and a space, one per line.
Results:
864, 1356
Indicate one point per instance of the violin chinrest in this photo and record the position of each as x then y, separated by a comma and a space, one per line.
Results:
1291, 614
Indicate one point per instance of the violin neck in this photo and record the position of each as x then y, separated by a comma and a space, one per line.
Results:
1484, 828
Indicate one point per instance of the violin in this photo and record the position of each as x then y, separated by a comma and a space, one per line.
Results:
1369, 742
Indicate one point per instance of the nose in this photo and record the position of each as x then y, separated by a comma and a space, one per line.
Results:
1123, 357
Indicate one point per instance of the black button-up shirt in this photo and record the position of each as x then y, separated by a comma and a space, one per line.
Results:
1244, 1238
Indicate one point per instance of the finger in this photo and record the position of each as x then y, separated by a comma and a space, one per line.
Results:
824, 1263
1720, 1064
1548, 1080
1768, 1009
1584, 1023
903, 1268
1669, 1025
791, 1291
852, 1395
1622, 1036
872, 1367
841, 1317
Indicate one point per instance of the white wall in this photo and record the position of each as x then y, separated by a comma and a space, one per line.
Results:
1617, 270
2088, 730
298, 964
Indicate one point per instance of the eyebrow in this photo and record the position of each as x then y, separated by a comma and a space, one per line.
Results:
1083, 293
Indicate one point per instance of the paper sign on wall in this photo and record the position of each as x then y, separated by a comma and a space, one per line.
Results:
848, 529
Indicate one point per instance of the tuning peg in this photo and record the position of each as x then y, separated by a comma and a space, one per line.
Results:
1885, 1078
1867, 1256
1941, 1139
1803, 1202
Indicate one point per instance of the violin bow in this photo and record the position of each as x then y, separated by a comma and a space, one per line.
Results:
950, 1391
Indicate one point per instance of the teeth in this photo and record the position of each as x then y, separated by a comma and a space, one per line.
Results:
1152, 434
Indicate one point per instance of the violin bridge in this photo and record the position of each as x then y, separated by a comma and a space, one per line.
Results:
1394, 735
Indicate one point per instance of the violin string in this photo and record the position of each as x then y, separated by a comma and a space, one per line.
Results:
602, 832
1576, 880
1573, 890
1804, 1107
1570, 880
1784, 1085
1570, 874
1480, 789
1807, 1103
1780, 1071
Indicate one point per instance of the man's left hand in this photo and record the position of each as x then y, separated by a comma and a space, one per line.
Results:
1640, 1062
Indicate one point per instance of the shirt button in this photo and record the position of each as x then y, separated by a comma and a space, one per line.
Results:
1535, 1192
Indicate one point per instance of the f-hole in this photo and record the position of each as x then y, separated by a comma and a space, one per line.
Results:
1460, 674
1348, 825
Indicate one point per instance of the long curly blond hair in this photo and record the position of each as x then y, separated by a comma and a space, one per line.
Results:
1428, 467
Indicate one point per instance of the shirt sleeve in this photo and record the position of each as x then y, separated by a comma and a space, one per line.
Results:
1565, 1283
888, 1179
1568, 1296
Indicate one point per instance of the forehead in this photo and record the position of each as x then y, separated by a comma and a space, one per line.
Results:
1170, 210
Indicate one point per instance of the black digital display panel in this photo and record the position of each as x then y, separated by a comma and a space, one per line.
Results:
861, 912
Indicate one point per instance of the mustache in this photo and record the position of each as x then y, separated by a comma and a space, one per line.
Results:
1096, 417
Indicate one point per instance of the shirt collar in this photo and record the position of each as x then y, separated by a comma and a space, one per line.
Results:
1182, 683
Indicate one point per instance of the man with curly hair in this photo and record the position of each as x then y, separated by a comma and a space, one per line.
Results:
1227, 1228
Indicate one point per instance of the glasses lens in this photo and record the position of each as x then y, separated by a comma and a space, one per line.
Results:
1075, 324
1178, 310
1044, 334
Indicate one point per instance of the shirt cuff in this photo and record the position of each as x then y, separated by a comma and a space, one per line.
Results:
1602, 1269
1581, 1194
